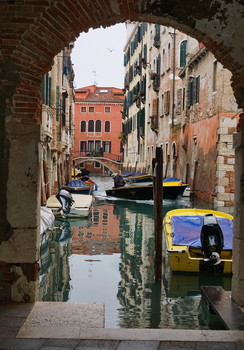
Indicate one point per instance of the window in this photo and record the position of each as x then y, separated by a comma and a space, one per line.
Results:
183, 53
162, 104
97, 145
91, 126
107, 126
167, 102
83, 126
83, 109
183, 99
107, 109
97, 165
82, 146
90, 145
98, 127
214, 75
46, 90
57, 103
169, 56
179, 101
91, 109
193, 91
107, 146
64, 96
163, 61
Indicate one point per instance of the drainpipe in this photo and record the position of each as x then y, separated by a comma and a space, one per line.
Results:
173, 87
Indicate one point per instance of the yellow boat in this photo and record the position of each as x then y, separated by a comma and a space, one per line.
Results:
198, 240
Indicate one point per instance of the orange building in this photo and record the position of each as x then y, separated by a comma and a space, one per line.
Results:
98, 124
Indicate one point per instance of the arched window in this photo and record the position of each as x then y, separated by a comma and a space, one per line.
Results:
83, 126
107, 126
98, 127
91, 126
183, 53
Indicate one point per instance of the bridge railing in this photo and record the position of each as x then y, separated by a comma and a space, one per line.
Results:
110, 156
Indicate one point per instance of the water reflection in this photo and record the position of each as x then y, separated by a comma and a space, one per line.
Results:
109, 258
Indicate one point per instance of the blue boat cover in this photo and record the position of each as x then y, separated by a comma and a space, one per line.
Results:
132, 173
171, 179
127, 173
76, 183
186, 230
138, 174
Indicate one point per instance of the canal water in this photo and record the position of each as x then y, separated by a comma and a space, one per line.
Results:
108, 258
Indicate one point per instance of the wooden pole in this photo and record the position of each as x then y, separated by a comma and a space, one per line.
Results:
157, 166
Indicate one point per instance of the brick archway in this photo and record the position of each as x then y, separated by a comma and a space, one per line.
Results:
31, 35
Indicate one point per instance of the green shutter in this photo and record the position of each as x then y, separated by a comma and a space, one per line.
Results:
183, 53
49, 91
57, 103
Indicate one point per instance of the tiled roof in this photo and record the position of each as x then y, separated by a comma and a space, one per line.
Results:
99, 94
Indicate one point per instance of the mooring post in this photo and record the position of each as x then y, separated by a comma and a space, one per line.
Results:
157, 166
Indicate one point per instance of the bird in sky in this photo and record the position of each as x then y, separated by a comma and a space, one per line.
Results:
110, 50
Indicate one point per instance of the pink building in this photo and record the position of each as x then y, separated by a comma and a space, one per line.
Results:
98, 124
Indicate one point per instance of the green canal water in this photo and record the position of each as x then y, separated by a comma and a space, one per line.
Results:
108, 258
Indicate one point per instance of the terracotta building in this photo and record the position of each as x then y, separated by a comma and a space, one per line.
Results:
98, 125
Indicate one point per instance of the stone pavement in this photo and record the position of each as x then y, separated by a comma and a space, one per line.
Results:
14, 336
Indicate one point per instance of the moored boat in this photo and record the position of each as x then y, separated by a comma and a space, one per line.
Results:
81, 187
198, 240
171, 190
138, 178
77, 208
46, 219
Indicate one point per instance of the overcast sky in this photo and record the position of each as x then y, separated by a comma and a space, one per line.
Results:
98, 57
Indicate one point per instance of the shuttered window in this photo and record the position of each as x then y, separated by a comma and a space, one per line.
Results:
167, 102
179, 101
46, 90
57, 103
193, 91
183, 53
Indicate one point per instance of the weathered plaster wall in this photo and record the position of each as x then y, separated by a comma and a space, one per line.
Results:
204, 152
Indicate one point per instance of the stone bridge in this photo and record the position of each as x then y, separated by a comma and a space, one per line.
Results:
113, 165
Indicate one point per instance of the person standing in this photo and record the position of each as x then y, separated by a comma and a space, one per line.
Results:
118, 180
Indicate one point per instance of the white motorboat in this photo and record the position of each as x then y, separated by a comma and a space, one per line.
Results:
46, 219
80, 207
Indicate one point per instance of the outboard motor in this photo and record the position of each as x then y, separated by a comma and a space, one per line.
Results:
212, 239
66, 200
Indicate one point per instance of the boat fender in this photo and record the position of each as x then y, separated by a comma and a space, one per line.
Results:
212, 239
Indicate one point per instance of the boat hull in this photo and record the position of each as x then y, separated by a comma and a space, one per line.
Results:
186, 258
79, 190
145, 192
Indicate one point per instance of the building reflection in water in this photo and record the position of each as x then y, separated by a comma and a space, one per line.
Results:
54, 267
121, 231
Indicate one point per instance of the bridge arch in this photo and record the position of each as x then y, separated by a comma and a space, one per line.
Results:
31, 32
110, 164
